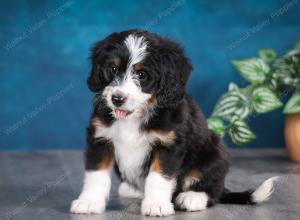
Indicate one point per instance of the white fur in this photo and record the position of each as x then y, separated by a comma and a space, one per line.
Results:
129, 86
192, 201
136, 101
137, 47
158, 194
264, 191
131, 147
127, 191
94, 194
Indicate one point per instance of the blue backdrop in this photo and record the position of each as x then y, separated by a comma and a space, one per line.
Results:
45, 102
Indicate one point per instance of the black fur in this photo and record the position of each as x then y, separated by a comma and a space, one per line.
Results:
195, 147
237, 197
98, 149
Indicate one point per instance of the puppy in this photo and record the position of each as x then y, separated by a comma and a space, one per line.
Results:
152, 132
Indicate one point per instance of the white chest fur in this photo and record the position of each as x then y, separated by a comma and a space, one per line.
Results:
131, 150
131, 145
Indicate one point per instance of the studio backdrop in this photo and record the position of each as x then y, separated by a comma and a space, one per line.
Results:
44, 58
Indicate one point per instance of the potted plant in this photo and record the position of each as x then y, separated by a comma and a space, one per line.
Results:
270, 80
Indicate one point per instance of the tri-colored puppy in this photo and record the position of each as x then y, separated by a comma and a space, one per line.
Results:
151, 131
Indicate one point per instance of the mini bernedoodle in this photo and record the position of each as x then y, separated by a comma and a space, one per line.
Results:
146, 127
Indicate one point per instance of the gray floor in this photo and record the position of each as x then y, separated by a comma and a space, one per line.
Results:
41, 185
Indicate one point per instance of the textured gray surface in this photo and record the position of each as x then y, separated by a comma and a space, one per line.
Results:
41, 185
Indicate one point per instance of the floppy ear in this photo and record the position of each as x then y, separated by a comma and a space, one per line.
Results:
175, 70
96, 80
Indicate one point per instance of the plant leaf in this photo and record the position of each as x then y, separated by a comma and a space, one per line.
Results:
233, 87
294, 51
253, 70
240, 132
216, 124
293, 105
297, 46
232, 102
264, 100
268, 55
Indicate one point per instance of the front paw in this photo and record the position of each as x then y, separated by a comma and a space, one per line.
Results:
157, 208
80, 206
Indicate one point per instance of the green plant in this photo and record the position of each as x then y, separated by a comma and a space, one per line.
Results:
270, 78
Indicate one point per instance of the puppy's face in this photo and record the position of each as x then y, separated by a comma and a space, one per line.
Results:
137, 71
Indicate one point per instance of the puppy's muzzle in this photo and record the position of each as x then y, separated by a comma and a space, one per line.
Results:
118, 99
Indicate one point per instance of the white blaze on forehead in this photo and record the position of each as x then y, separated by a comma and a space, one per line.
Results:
136, 99
137, 47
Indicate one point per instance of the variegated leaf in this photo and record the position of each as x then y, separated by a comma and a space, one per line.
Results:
253, 70
233, 87
233, 102
294, 51
293, 105
240, 132
264, 100
216, 124
297, 46
268, 55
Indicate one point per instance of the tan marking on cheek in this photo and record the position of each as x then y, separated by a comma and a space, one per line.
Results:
138, 66
155, 165
165, 138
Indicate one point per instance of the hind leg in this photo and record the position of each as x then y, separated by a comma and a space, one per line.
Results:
200, 189
191, 200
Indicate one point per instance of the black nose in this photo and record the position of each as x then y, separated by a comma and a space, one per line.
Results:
118, 99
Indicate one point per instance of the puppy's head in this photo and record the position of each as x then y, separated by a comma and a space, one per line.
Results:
136, 71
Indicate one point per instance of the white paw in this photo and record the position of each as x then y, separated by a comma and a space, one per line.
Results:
87, 207
156, 208
192, 201
127, 191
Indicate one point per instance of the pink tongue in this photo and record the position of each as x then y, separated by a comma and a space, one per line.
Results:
121, 114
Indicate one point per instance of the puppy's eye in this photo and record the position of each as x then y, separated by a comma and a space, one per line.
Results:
114, 69
142, 75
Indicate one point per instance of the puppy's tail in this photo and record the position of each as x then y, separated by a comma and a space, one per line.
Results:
261, 194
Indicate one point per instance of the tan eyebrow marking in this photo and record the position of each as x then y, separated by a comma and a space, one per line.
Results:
116, 61
138, 66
